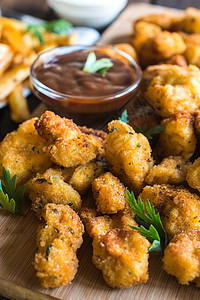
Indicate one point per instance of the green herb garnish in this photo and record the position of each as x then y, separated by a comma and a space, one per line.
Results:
11, 197
150, 225
92, 65
124, 117
36, 31
58, 26
148, 133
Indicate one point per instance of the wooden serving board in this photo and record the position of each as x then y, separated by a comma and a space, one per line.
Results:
18, 234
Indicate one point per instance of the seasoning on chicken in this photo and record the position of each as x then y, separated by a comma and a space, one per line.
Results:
58, 239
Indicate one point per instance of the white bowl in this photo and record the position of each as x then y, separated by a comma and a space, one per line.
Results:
93, 13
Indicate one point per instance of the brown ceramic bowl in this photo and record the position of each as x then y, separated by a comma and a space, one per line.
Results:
84, 110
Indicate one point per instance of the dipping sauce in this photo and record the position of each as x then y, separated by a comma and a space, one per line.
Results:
64, 74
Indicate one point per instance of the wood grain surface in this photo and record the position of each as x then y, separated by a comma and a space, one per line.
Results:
18, 237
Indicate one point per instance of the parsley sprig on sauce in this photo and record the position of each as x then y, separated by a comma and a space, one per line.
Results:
92, 65
150, 224
10, 196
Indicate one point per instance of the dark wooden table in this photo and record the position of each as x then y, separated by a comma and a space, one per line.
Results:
39, 8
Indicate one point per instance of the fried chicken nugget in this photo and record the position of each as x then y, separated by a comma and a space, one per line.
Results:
161, 47
179, 209
191, 21
81, 177
193, 175
192, 52
165, 21
171, 88
21, 152
171, 170
178, 138
58, 240
120, 252
51, 188
66, 144
109, 193
128, 154
182, 257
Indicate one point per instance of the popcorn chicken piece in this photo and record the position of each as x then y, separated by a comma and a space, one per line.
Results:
165, 21
58, 240
21, 152
191, 21
172, 170
170, 88
182, 257
143, 31
193, 175
127, 48
160, 47
179, 209
178, 137
128, 154
66, 144
81, 177
120, 252
51, 188
109, 193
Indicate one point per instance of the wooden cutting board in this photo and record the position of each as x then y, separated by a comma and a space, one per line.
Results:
18, 234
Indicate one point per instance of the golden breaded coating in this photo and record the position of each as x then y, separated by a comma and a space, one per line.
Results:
177, 59
66, 144
51, 188
171, 88
122, 255
128, 154
143, 31
21, 152
192, 52
165, 21
109, 193
191, 21
120, 252
182, 257
171, 170
162, 46
127, 48
197, 124
58, 240
193, 175
179, 209
82, 177
178, 138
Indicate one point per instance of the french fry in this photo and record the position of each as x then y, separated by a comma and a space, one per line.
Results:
11, 78
6, 56
14, 23
19, 110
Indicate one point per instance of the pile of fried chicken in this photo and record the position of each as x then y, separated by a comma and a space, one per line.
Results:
60, 161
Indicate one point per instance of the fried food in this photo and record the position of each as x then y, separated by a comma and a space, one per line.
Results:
182, 257
143, 31
121, 254
192, 52
170, 88
191, 21
178, 138
109, 193
165, 21
6, 56
19, 110
51, 188
21, 152
128, 154
66, 144
128, 49
81, 177
177, 59
57, 241
171, 170
179, 209
193, 175
162, 46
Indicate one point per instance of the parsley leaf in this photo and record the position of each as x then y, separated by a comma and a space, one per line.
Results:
92, 65
124, 117
148, 133
58, 26
150, 225
11, 197
36, 31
